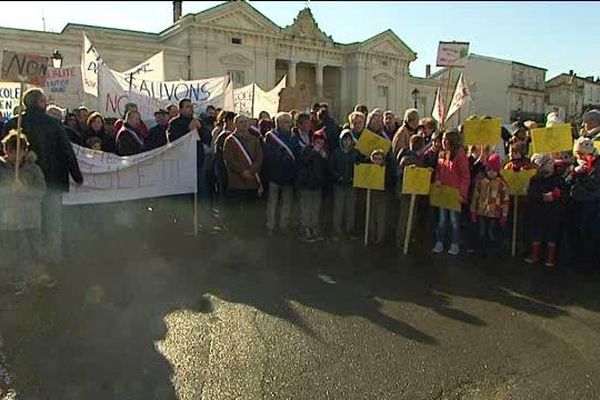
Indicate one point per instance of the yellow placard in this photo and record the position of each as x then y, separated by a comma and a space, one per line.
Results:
483, 131
370, 141
369, 176
597, 145
518, 181
444, 197
416, 180
554, 139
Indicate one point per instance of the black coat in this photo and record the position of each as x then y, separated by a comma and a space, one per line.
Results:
279, 167
178, 127
129, 142
48, 139
332, 130
157, 137
342, 166
314, 170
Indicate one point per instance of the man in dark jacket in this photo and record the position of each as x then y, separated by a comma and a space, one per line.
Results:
57, 160
157, 136
281, 167
330, 127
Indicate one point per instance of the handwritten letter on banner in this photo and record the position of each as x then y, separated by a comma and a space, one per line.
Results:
165, 171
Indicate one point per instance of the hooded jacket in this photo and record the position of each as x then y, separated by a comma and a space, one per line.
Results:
342, 163
314, 169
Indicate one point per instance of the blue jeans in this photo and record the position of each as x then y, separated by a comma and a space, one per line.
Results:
454, 217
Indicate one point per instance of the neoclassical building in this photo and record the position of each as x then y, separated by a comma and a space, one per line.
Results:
234, 38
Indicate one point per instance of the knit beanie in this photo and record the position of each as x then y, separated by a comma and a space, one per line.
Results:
494, 163
584, 145
541, 160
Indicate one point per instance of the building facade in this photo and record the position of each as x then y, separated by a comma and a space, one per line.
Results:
573, 93
499, 88
234, 38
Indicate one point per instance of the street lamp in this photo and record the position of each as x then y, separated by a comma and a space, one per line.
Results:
57, 59
415, 96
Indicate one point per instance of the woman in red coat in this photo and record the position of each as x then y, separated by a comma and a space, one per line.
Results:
453, 171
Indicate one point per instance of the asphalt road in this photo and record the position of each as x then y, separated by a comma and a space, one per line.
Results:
168, 316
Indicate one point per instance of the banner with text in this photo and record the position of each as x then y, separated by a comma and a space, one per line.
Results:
90, 60
9, 98
165, 171
63, 87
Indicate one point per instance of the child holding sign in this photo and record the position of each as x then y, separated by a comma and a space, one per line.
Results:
490, 204
452, 171
344, 195
545, 193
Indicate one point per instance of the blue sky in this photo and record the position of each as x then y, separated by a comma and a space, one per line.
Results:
558, 36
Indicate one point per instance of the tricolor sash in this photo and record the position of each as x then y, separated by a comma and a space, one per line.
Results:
280, 142
246, 155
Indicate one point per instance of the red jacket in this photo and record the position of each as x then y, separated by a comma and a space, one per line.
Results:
455, 173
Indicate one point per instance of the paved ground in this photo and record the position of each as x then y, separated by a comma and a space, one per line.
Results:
166, 316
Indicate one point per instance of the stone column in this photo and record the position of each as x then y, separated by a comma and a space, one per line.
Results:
319, 80
291, 77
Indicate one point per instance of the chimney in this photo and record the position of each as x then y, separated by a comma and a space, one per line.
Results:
176, 11
570, 72
427, 70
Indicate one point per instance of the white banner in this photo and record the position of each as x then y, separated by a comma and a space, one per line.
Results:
152, 69
9, 98
165, 171
250, 100
243, 99
63, 87
150, 95
90, 59
461, 97
452, 54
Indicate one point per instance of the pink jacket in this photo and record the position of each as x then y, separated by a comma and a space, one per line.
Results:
455, 173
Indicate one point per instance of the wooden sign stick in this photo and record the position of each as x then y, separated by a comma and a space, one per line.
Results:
368, 217
515, 220
409, 223
23, 81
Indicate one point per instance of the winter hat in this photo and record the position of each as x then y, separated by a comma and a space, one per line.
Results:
542, 160
346, 132
377, 152
584, 145
494, 163
320, 134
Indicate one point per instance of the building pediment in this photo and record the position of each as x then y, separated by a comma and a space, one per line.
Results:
306, 27
235, 59
237, 15
384, 77
388, 44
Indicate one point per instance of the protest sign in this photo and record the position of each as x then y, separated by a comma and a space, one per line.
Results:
369, 176
452, 54
483, 131
597, 145
444, 197
9, 98
518, 181
370, 141
416, 180
553, 139
268, 100
31, 68
243, 100
151, 69
63, 87
168, 170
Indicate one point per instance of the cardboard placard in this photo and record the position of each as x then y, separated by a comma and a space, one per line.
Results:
597, 145
444, 197
370, 141
369, 176
32, 68
554, 139
416, 180
483, 131
518, 181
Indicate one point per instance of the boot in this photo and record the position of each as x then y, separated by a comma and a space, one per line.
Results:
534, 257
551, 255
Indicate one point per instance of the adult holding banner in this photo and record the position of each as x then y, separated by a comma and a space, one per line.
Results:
57, 160
243, 157
409, 126
452, 172
281, 168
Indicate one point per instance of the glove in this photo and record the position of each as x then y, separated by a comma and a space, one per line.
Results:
556, 194
473, 217
503, 221
516, 168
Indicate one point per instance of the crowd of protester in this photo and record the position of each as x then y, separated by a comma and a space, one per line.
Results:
300, 167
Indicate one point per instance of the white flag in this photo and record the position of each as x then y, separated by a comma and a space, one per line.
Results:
439, 108
461, 97
90, 58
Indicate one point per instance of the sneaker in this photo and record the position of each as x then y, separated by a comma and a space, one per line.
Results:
453, 250
438, 248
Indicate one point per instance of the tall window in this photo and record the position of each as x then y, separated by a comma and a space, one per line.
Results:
237, 77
